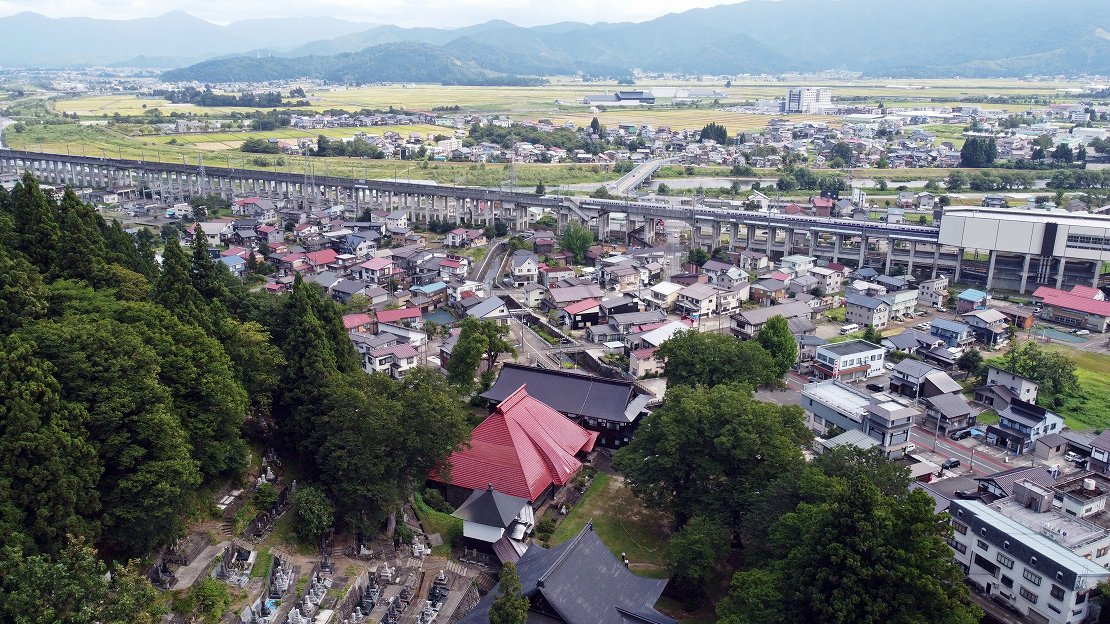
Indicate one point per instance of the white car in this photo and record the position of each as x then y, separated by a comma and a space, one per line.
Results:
1082, 332
909, 449
888, 366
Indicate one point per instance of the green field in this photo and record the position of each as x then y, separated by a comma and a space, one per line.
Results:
622, 523
1091, 408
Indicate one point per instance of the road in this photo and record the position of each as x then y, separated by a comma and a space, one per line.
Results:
980, 463
478, 274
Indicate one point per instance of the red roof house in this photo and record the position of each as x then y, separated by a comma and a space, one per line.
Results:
399, 315
524, 448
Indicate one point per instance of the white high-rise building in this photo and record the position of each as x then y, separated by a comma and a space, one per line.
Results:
808, 100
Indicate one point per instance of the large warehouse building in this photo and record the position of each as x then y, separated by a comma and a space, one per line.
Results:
1028, 248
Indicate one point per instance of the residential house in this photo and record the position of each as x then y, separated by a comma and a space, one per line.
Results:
617, 304
953, 333
1021, 424
492, 309
581, 314
849, 360
612, 408
901, 302
1002, 387
215, 233
643, 362
989, 327
581, 581
533, 295
971, 300
558, 298
747, 324
524, 267
933, 293
620, 325
723, 274
1020, 316
235, 264
911, 342
866, 311
697, 300
797, 265
408, 316
947, 412
893, 283
885, 419
768, 292
344, 289
394, 361
830, 281
663, 295
620, 277
463, 237
397, 220
918, 380
549, 276
524, 448
754, 262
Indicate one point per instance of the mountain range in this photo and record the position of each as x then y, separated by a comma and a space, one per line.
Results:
904, 38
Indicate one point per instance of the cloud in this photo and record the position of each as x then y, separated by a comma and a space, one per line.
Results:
439, 13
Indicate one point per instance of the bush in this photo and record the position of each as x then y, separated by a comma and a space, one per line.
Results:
544, 529
435, 500
265, 497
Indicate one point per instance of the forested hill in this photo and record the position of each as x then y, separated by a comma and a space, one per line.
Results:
396, 62
130, 391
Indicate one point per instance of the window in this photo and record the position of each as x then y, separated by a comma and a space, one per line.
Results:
1057, 592
1102, 551
981, 544
1004, 560
1028, 595
1007, 581
1054, 607
959, 547
1032, 577
1081, 598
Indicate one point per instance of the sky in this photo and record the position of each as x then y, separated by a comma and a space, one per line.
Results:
437, 13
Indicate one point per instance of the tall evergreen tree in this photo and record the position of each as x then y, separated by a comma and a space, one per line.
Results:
48, 471
510, 606
22, 293
310, 365
206, 276
35, 218
81, 246
174, 289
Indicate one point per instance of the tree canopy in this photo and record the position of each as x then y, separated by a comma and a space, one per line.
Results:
779, 342
577, 240
707, 358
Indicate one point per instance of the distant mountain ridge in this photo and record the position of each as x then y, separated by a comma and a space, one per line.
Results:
32, 40
903, 38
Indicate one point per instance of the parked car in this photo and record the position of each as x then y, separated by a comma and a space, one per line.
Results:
921, 313
1082, 332
874, 387
889, 366
909, 448
960, 434
1072, 457
950, 464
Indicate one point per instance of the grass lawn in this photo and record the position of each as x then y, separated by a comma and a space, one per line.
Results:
449, 527
836, 315
477, 254
988, 417
262, 563
284, 535
623, 524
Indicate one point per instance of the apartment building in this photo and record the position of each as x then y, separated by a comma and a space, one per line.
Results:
849, 360
882, 417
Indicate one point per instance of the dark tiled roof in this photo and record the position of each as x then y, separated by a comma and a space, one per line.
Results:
1005, 480
490, 508
569, 393
584, 583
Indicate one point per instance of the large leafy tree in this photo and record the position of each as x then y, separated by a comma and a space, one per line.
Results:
466, 355
577, 240
693, 555
850, 559
73, 588
494, 334
707, 450
48, 470
707, 358
510, 606
315, 514
779, 343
